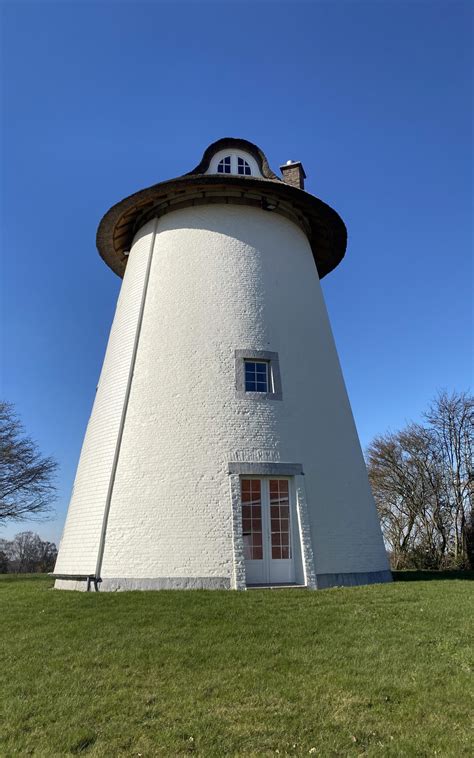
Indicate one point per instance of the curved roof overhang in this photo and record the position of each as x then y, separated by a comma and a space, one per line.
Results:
324, 228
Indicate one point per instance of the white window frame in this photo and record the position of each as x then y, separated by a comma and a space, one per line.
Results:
273, 374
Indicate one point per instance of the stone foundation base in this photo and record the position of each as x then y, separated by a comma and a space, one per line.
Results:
160, 583
324, 581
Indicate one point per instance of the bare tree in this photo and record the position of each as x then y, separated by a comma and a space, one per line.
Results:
27, 487
46, 558
4, 561
451, 419
27, 552
422, 480
24, 551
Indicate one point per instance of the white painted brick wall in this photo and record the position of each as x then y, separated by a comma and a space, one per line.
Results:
223, 277
80, 539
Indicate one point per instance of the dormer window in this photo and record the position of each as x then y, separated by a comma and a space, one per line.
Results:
223, 167
235, 162
243, 167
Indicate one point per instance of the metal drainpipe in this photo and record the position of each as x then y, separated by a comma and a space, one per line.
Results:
118, 444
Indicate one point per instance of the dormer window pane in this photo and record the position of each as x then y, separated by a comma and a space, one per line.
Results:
224, 165
243, 167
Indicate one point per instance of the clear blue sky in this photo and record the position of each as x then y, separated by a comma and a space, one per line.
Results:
102, 99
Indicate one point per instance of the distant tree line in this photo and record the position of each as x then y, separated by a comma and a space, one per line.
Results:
27, 553
422, 478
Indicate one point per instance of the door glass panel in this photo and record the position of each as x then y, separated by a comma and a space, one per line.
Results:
252, 519
280, 518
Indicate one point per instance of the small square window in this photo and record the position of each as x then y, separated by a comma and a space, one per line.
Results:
257, 374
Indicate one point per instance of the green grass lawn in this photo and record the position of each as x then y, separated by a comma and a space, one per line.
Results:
384, 670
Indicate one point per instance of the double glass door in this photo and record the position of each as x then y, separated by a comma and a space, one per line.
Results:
267, 526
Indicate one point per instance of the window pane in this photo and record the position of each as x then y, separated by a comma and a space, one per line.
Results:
280, 519
256, 376
247, 546
243, 167
223, 166
252, 519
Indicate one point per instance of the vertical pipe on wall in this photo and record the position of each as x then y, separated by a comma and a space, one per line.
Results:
113, 472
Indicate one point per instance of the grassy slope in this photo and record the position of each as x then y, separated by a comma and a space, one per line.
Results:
381, 670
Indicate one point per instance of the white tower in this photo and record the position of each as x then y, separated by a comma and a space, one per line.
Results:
221, 451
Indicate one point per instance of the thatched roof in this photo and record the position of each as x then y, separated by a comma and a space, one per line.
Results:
324, 227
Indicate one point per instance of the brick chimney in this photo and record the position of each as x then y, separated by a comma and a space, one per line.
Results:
293, 173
